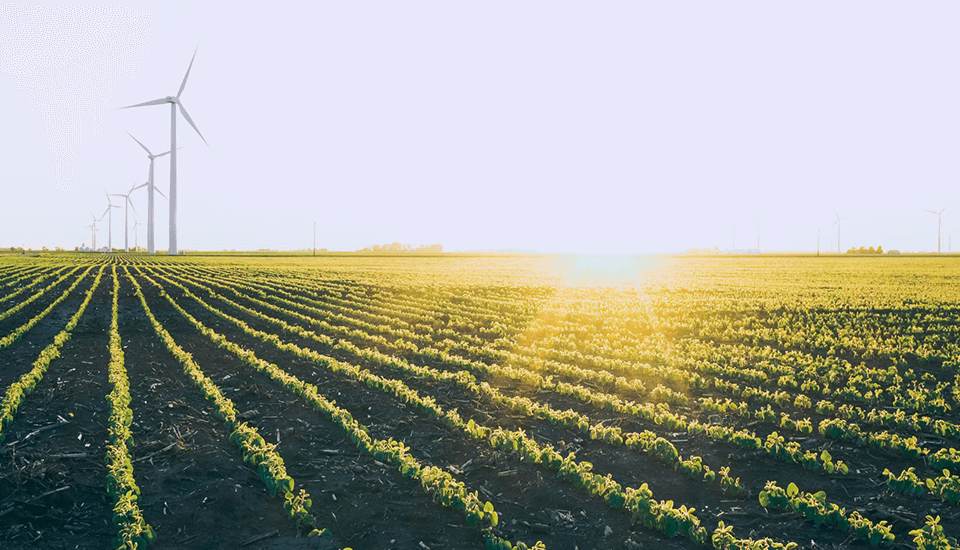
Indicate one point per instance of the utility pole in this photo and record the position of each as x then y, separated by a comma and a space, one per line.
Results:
314, 239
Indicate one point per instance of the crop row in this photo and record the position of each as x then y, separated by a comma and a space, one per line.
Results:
434, 481
646, 411
646, 441
132, 529
36, 296
534, 358
877, 417
660, 515
255, 450
26, 326
24, 386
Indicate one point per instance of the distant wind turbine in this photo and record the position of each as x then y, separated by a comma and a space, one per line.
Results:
175, 103
939, 225
837, 223
136, 233
109, 210
93, 233
150, 188
93, 229
129, 204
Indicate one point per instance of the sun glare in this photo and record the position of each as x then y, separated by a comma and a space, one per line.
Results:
605, 269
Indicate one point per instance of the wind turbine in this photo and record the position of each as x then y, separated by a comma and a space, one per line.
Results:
129, 203
136, 233
837, 223
939, 225
110, 207
174, 102
93, 234
93, 231
150, 188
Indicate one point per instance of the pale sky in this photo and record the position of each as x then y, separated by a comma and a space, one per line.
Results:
557, 126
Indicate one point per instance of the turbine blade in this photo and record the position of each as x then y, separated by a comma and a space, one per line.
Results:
157, 189
138, 141
130, 202
139, 186
160, 101
932, 211
941, 211
183, 111
184, 84
161, 154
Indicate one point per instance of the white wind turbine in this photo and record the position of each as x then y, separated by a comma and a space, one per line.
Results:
837, 224
110, 207
939, 225
126, 211
150, 188
174, 102
136, 233
93, 234
93, 231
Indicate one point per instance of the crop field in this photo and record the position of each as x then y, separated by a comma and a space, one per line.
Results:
450, 402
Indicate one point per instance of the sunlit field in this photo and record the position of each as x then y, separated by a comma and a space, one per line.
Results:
453, 402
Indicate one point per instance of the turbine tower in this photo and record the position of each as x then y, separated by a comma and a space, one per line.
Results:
150, 188
129, 204
175, 103
837, 224
939, 225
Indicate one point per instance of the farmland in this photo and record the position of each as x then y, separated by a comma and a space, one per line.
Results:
479, 402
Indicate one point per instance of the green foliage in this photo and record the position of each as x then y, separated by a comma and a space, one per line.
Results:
816, 509
932, 537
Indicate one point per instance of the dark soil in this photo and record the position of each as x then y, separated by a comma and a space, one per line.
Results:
197, 492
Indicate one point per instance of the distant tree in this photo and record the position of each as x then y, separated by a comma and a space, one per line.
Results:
865, 250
